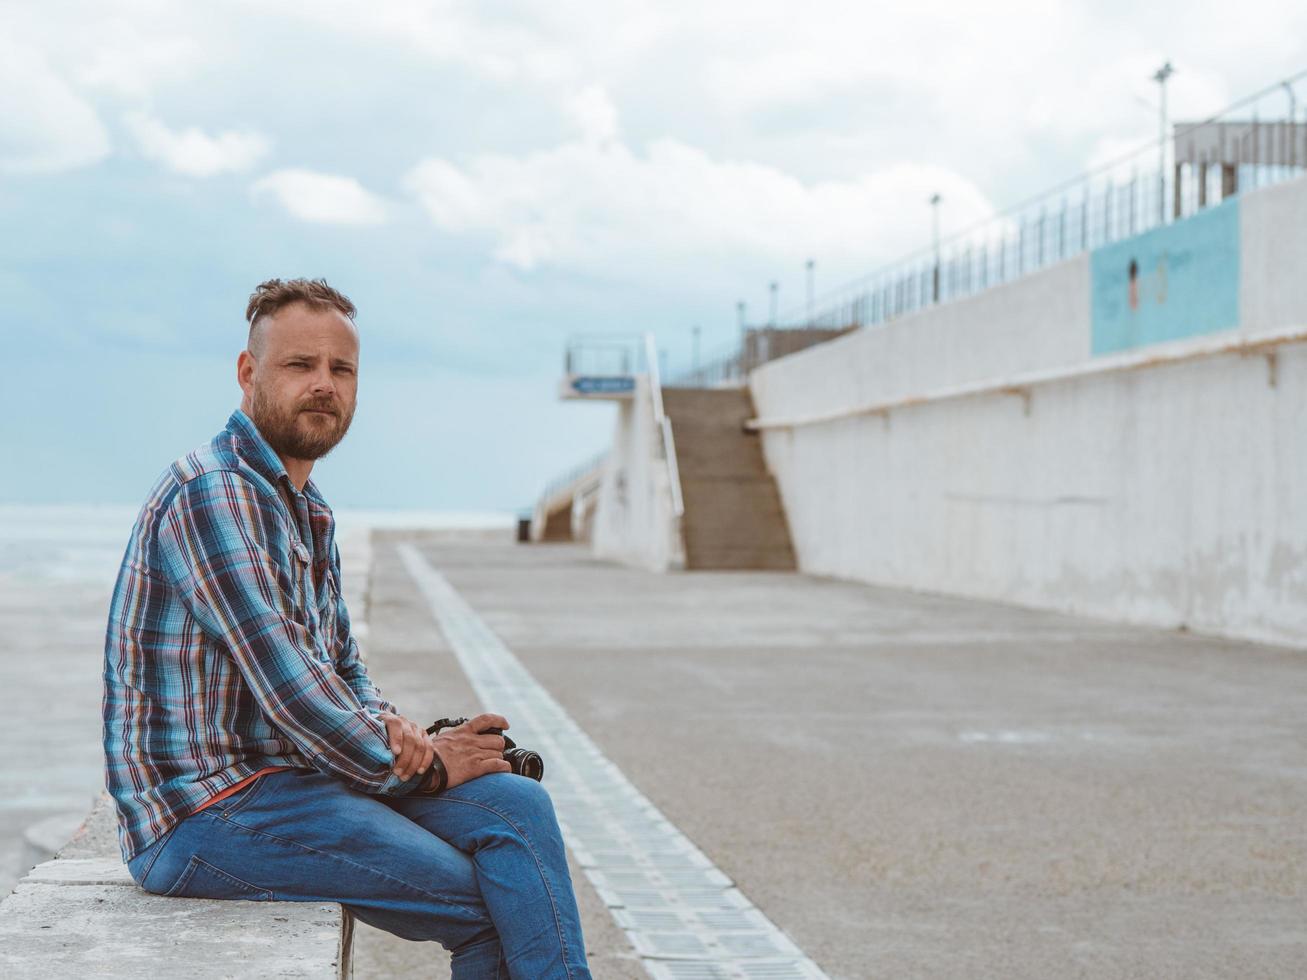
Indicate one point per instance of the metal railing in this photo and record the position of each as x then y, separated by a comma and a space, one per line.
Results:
757, 346
625, 354
728, 369
1120, 199
1150, 186
604, 354
573, 475
664, 424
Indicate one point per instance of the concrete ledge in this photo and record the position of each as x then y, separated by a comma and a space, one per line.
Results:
82, 914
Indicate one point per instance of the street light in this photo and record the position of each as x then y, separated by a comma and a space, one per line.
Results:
812, 288
1160, 77
744, 336
1293, 123
774, 288
694, 332
934, 219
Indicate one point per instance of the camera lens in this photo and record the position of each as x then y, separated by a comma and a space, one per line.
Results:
526, 763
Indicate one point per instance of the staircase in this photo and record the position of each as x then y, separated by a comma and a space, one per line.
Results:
733, 516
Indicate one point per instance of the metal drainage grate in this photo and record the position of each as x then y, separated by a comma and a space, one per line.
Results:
683, 915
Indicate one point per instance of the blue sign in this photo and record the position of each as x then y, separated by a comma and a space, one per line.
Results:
603, 386
1179, 280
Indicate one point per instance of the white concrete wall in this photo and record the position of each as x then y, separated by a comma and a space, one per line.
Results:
1041, 321
1273, 271
1171, 495
633, 520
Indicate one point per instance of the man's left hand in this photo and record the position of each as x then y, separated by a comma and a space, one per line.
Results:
409, 742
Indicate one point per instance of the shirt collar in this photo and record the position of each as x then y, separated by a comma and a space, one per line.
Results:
254, 449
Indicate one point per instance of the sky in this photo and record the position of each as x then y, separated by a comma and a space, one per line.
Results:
486, 179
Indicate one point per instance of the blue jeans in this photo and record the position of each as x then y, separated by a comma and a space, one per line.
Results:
481, 868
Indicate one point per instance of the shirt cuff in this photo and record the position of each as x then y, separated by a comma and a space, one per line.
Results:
394, 786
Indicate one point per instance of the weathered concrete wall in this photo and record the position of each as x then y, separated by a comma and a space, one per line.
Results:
1274, 273
1041, 321
1171, 495
633, 521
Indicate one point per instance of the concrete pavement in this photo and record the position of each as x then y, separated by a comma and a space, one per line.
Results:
51, 759
909, 785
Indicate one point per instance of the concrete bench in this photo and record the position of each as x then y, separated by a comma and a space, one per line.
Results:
81, 914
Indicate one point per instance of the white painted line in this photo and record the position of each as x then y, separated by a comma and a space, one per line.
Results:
682, 915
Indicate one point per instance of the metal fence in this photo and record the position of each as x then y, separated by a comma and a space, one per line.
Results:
605, 354
758, 345
1257, 141
571, 476
1253, 143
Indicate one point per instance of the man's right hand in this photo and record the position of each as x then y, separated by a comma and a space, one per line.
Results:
466, 754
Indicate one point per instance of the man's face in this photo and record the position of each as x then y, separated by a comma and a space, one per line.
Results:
300, 379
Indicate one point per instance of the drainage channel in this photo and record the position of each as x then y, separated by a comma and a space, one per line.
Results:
685, 918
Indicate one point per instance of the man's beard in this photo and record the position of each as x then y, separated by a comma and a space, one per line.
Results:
283, 432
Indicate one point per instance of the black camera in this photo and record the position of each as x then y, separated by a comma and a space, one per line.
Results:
523, 761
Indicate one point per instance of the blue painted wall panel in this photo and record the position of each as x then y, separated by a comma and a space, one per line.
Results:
1180, 280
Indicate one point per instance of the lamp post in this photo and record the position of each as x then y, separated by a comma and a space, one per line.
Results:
694, 334
744, 335
1293, 123
934, 220
1160, 77
811, 267
774, 288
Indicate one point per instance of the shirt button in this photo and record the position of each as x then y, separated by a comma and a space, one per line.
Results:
301, 552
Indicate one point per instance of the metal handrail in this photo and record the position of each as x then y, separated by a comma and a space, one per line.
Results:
625, 347
1257, 344
1067, 219
1073, 217
664, 424
572, 475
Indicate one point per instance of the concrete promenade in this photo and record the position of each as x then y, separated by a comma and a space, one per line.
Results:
908, 785
51, 759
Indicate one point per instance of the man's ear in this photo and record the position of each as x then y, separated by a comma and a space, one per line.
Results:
245, 365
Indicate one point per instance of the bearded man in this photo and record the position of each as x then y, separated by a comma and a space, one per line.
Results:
247, 751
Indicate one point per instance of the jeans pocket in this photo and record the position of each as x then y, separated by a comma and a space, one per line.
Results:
201, 879
241, 798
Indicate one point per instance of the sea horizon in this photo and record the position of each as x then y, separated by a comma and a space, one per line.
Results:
83, 544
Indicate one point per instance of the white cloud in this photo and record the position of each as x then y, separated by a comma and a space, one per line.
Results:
129, 62
599, 205
322, 198
45, 126
594, 114
193, 152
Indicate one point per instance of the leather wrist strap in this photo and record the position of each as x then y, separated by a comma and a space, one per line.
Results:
437, 777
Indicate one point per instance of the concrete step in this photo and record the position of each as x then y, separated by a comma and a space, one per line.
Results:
738, 463
703, 401
740, 559
82, 915
733, 513
71, 918
711, 525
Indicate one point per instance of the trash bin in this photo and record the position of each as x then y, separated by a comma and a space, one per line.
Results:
524, 530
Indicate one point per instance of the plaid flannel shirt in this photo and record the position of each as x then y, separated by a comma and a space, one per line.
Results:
228, 647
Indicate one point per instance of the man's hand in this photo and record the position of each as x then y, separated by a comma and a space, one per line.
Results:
410, 743
466, 754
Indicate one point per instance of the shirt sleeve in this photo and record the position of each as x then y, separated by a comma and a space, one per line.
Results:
349, 662
225, 548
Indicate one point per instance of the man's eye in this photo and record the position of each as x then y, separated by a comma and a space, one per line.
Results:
297, 364
345, 370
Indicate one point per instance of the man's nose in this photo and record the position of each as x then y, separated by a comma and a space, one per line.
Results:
323, 383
